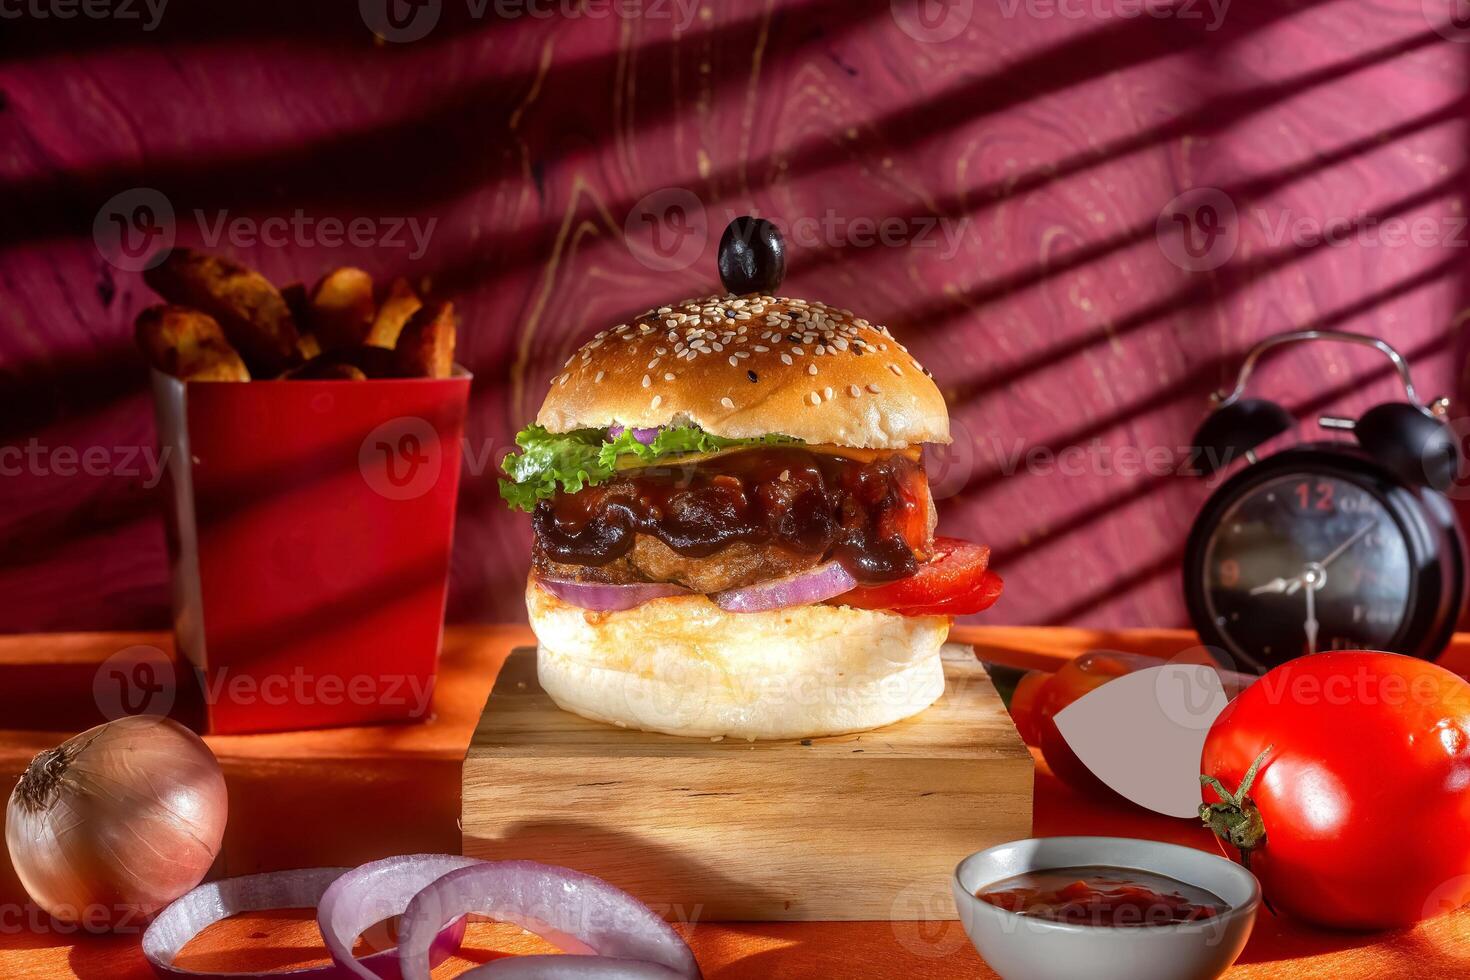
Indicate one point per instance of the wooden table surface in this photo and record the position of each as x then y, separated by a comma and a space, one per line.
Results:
350, 795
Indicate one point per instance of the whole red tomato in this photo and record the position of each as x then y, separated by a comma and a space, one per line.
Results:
1358, 815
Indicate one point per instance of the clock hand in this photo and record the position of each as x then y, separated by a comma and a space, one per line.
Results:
1311, 624
1276, 585
1290, 586
1338, 551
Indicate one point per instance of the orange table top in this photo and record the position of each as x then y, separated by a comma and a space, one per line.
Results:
344, 796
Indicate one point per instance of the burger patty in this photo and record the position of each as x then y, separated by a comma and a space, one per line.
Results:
739, 519
734, 566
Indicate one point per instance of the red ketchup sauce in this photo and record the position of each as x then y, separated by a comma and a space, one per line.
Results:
870, 516
1103, 896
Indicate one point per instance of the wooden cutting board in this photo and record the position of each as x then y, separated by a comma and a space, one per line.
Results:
865, 826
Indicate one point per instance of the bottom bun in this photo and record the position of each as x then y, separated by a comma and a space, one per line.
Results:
684, 666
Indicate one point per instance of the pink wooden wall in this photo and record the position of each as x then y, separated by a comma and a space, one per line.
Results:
1044, 141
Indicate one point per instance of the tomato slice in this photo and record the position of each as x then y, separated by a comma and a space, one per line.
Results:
954, 582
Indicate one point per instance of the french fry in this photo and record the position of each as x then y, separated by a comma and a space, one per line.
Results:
400, 304
251, 311
188, 344
342, 308
425, 348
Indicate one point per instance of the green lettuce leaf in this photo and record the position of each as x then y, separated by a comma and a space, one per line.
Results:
568, 461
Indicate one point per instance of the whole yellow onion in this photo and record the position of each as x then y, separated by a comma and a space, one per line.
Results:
115, 823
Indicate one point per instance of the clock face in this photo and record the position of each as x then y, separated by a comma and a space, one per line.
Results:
1303, 563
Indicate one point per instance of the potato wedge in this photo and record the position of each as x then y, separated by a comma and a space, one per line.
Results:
342, 308
398, 305
188, 344
326, 369
425, 348
251, 311
299, 304
370, 362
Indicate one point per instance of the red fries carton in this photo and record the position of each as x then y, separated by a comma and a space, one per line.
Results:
309, 536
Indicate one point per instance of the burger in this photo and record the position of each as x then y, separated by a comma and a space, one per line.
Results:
733, 530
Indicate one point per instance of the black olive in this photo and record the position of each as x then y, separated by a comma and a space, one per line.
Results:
752, 256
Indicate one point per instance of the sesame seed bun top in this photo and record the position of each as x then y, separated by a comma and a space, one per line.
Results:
747, 366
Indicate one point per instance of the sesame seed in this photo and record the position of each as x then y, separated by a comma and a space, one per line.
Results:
797, 351
653, 364
827, 393
896, 369
727, 403
811, 369
785, 358
647, 381
669, 376
657, 400
752, 376
814, 398
760, 348
875, 389
734, 361
854, 390
598, 380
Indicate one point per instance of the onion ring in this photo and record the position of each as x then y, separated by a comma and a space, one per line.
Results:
801, 589
576, 912
568, 967
374, 892
211, 902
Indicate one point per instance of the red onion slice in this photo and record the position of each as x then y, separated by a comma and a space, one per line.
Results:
568, 967
215, 901
373, 892
576, 912
802, 589
645, 436
609, 598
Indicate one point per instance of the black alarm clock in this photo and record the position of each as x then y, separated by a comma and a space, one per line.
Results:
1332, 545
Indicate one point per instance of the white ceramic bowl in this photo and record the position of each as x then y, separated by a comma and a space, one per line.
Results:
1025, 948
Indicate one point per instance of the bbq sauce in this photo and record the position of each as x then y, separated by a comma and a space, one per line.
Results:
1103, 896
870, 516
